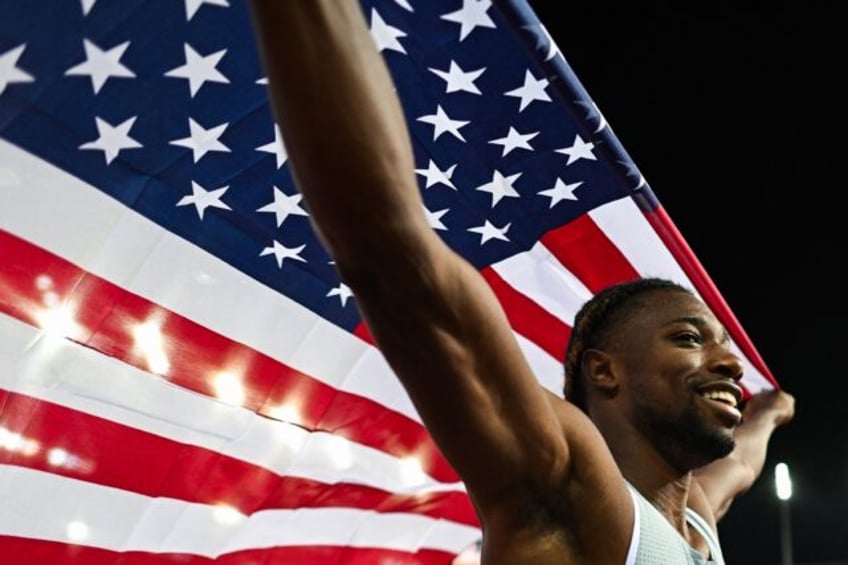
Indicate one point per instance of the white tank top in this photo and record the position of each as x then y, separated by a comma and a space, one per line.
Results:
656, 542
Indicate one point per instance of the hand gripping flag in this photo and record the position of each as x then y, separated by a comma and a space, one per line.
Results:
183, 376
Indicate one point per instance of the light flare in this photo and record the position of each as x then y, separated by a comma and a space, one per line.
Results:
228, 388
150, 342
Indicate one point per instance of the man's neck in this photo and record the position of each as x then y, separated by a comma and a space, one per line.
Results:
649, 472
670, 497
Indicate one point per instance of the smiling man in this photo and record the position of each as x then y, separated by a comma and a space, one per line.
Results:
652, 444
652, 368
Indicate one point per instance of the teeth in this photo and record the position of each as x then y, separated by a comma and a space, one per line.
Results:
721, 396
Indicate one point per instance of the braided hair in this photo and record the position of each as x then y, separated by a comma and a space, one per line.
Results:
594, 322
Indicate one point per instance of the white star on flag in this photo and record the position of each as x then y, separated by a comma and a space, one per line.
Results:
203, 199
514, 140
435, 218
500, 187
633, 172
560, 191
472, 14
199, 69
488, 231
579, 150
101, 65
284, 206
342, 291
593, 114
86, 6
281, 252
112, 139
384, 35
458, 80
201, 140
442, 123
553, 48
276, 147
9, 71
435, 176
192, 6
532, 89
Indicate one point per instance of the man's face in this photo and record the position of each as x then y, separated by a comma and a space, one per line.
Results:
679, 378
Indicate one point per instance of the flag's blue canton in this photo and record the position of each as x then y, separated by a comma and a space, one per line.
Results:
507, 144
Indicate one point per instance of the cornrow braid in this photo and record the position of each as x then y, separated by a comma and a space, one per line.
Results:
593, 323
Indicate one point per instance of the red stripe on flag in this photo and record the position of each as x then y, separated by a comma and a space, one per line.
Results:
107, 315
585, 250
24, 550
525, 316
528, 318
676, 244
107, 453
364, 333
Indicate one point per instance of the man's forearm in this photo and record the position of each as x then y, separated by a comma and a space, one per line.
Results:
763, 414
350, 149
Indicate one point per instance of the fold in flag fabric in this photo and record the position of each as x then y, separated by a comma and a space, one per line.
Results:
183, 376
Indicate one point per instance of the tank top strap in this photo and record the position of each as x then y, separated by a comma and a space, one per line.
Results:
634, 537
702, 527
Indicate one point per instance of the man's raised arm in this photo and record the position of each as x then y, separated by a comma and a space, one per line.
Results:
433, 316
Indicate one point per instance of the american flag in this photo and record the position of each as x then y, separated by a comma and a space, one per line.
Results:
183, 376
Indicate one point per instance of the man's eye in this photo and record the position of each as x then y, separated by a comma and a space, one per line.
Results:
688, 337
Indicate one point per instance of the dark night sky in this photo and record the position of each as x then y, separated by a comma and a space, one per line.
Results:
730, 112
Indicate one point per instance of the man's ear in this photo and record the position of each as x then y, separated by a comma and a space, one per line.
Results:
598, 371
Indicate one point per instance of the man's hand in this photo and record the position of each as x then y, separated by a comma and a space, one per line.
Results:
779, 404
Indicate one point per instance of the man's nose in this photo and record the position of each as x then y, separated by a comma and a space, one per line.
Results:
728, 364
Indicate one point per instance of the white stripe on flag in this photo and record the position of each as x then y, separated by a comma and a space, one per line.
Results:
538, 275
44, 506
62, 372
626, 226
